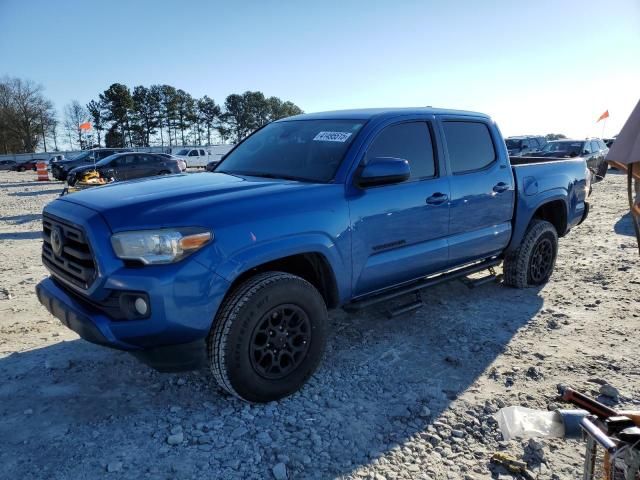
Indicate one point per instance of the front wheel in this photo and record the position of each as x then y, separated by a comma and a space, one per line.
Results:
268, 337
532, 263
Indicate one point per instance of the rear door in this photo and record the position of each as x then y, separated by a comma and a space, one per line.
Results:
192, 158
138, 167
126, 166
482, 189
400, 230
589, 156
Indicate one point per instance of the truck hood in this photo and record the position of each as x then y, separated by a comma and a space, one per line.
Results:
176, 200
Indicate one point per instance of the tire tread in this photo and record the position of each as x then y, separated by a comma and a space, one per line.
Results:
516, 263
228, 314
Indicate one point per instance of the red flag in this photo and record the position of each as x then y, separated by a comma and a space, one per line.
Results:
85, 126
603, 116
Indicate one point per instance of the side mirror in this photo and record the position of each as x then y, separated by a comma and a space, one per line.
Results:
384, 171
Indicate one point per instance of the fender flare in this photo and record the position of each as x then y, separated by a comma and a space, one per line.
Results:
525, 213
275, 249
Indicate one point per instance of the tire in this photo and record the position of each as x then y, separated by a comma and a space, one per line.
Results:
164, 172
239, 348
21, 169
602, 171
532, 263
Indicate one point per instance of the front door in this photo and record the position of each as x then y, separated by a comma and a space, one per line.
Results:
400, 230
482, 189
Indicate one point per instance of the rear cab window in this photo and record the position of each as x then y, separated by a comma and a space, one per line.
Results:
409, 141
469, 145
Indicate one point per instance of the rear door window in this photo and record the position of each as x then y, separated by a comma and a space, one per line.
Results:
193, 153
409, 141
469, 145
202, 154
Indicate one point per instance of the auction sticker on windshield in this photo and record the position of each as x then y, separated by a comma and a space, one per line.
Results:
332, 137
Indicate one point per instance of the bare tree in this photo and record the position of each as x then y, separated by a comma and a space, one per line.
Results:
24, 115
74, 115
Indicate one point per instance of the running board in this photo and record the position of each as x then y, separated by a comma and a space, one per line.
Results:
421, 284
492, 276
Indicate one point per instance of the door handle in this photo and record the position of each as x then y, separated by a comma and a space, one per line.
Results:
437, 198
501, 187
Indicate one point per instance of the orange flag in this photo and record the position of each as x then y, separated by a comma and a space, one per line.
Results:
603, 116
85, 126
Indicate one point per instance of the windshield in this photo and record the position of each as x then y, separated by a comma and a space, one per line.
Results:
81, 156
184, 151
106, 160
568, 148
511, 143
308, 150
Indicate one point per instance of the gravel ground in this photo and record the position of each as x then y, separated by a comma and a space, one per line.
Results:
411, 397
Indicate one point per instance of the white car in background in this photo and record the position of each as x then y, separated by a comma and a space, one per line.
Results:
194, 157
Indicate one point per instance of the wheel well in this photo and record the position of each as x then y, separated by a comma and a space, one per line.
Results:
555, 213
313, 267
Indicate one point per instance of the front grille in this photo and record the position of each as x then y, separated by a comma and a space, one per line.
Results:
75, 263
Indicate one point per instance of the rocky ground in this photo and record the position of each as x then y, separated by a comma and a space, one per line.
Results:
408, 398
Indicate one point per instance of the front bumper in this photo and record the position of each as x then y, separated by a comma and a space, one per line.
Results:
90, 325
183, 297
182, 353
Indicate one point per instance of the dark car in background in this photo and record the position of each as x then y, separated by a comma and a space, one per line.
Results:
524, 145
593, 150
7, 164
28, 165
61, 169
127, 166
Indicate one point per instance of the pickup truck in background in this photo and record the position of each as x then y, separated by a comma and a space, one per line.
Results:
237, 268
194, 157
201, 157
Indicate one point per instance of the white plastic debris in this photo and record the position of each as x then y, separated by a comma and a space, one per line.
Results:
521, 422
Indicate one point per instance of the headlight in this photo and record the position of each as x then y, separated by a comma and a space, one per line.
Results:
159, 246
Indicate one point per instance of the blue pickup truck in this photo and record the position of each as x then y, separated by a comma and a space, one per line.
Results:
237, 267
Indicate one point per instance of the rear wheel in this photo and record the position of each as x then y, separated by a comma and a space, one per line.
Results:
532, 263
268, 337
602, 171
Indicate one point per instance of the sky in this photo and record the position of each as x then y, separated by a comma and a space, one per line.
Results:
536, 67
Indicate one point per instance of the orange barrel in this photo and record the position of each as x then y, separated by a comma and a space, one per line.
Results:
43, 175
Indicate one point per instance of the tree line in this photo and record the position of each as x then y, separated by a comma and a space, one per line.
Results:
158, 115
27, 118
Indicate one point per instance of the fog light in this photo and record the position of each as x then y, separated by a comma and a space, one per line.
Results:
141, 306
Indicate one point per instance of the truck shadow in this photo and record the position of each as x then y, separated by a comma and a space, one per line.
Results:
20, 219
32, 183
367, 398
28, 235
624, 226
34, 193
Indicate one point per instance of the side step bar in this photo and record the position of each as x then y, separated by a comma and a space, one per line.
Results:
415, 287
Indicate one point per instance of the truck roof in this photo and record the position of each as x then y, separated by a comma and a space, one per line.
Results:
369, 113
